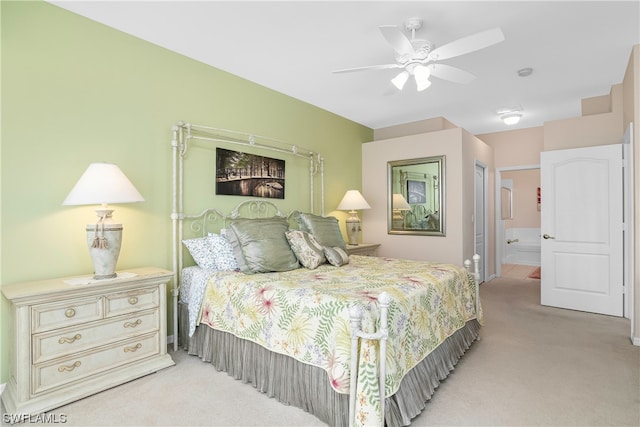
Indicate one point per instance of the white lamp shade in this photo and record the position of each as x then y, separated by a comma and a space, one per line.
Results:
400, 203
421, 74
352, 201
103, 183
399, 80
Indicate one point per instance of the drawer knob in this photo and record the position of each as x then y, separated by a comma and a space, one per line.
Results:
132, 324
70, 312
63, 340
70, 367
133, 300
132, 349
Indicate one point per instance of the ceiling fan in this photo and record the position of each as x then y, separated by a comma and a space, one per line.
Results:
421, 59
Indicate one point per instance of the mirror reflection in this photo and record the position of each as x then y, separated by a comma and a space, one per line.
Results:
416, 196
506, 203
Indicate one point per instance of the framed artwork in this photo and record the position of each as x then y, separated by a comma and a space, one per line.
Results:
416, 192
244, 174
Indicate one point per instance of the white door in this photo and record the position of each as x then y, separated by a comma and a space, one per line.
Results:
581, 226
479, 217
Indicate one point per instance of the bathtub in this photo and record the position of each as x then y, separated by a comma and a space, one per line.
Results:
522, 246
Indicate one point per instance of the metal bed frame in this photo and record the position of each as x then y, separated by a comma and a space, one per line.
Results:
183, 134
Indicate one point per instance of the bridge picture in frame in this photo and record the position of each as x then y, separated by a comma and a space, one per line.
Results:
244, 174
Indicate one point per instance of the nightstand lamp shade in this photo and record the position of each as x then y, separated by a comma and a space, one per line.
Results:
103, 183
351, 202
399, 204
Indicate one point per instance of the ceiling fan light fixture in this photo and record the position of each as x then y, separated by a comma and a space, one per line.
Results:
511, 118
422, 74
400, 80
422, 84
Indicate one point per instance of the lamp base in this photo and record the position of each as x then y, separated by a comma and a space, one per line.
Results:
398, 219
104, 241
353, 229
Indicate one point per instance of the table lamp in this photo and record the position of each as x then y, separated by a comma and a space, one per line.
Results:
103, 183
399, 204
351, 202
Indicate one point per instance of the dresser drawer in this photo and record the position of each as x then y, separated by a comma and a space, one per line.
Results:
60, 372
45, 317
63, 342
131, 301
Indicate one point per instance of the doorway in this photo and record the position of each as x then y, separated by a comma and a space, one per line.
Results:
481, 185
524, 221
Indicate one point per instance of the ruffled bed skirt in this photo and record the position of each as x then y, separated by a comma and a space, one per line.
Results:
305, 386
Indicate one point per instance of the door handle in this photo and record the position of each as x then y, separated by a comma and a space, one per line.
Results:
546, 236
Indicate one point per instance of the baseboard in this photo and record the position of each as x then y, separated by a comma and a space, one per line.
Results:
169, 339
635, 341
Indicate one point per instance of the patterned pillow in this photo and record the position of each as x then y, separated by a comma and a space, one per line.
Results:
223, 252
201, 252
307, 249
336, 256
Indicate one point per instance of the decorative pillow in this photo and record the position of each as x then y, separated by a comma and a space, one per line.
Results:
336, 256
325, 229
260, 245
306, 248
201, 252
224, 257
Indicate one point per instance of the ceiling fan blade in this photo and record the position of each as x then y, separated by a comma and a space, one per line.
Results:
453, 74
468, 44
398, 41
369, 67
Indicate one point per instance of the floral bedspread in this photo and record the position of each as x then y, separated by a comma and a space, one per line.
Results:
305, 314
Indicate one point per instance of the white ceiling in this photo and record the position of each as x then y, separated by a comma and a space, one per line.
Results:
578, 49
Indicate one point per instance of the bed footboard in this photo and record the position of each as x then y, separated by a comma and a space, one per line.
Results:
355, 315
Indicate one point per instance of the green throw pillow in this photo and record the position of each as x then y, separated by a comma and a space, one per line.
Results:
260, 245
325, 229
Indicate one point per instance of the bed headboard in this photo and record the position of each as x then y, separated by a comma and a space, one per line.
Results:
211, 220
189, 225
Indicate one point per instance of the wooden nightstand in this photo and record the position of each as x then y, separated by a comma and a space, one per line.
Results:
73, 337
366, 249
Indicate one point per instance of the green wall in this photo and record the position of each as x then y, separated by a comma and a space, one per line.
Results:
75, 92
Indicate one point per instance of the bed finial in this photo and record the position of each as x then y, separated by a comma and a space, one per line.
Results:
355, 315
384, 299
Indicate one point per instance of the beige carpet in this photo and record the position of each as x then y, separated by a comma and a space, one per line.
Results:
534, 366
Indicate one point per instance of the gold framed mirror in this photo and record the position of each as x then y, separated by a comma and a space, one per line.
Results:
416, 196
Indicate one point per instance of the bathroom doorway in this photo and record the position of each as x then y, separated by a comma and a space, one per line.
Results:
518, 230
